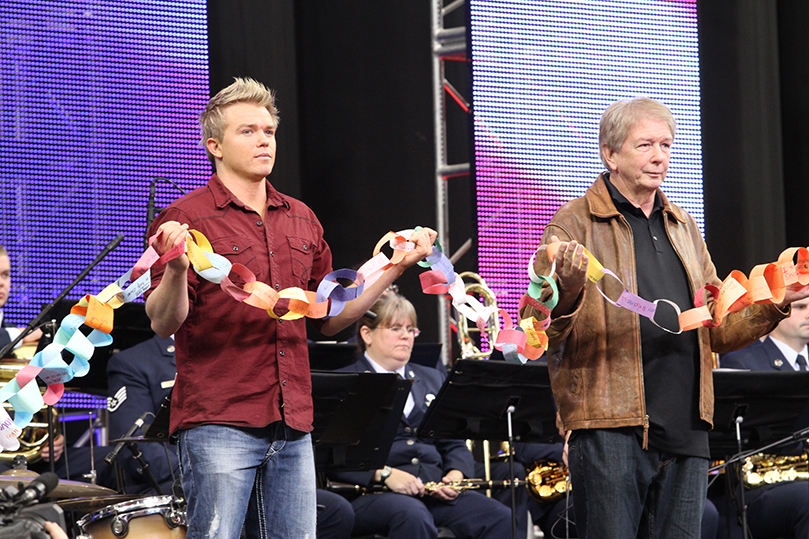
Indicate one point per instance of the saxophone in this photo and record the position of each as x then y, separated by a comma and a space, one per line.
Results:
547, 481
761, 469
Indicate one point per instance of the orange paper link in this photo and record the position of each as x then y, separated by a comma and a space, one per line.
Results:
99, 315
773, 275
398, 254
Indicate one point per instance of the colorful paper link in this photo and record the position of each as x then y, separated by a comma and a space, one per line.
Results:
24, 394
766, 285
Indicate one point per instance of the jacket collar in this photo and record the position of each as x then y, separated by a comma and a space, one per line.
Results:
601, 204
222, 195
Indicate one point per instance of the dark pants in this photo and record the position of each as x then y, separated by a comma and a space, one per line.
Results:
624, 491
398, 516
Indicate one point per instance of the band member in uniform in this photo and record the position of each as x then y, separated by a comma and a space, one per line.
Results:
407, 511
782, 509
9, 332
242, 404
138, 380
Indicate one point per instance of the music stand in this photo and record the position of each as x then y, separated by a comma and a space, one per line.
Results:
356, 416
772, 404
329, 356
512, 402
756, 409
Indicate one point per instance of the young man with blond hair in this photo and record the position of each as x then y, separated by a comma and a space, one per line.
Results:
242, 405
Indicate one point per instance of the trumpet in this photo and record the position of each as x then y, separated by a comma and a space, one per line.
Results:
470, 345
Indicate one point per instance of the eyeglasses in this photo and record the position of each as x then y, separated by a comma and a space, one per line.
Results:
401, 330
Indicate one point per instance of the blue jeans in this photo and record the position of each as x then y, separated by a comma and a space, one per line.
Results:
262, 478
623, 491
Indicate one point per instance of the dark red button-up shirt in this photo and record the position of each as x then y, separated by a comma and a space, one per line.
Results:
235, 364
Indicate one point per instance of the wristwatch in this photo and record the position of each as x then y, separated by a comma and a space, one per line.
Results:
384, 473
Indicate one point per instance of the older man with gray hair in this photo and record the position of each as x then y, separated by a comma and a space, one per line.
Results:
638, 399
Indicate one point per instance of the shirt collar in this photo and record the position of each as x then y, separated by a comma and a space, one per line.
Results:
382, 370
222, 195
788, 352
622, 202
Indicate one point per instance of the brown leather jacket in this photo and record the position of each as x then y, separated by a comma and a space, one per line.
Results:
594, 355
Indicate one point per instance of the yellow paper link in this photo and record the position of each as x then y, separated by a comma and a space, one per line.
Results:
594, 268
196, 250
293, 293
535, 337
108, 295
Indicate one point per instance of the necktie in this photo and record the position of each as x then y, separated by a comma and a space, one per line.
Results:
801, 362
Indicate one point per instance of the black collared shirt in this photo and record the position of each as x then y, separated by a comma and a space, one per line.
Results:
670, 362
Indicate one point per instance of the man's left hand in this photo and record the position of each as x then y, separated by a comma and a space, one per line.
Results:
424, 238
794, 292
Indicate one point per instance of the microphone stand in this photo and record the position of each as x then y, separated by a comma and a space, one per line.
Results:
151, 209
38, 321
144, 469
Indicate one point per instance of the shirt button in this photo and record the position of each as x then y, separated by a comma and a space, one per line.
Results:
277, 286
281, 353
414, 461
283, 383
259, 223
655, 238
407, 430
235, 247
272, 253
411, 441
304, 246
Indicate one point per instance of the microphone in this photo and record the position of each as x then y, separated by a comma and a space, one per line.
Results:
110, 458
180, 189
38, 488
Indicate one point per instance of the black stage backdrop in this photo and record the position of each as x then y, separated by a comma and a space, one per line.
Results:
354, 84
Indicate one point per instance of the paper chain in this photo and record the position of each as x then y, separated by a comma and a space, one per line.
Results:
766, 285
96, 312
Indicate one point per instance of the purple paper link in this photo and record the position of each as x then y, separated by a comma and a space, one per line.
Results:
637, 304
337, 307
338, 291
442, 264
323, 290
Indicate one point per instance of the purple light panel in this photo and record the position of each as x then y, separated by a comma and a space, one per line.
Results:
96, 100
543, 73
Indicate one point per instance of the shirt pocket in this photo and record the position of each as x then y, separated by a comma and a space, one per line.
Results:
238, 250
302, 257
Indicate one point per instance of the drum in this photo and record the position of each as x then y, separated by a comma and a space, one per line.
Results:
146, 518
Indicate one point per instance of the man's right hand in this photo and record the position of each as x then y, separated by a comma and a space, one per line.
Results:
172, 235
571, 272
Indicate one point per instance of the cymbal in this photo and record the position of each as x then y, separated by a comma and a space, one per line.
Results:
92, 503
65, 488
